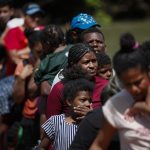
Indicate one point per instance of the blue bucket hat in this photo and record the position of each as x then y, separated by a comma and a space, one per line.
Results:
83, 21
32, 9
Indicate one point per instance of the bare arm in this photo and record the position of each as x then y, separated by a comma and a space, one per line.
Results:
104, 137
20, 82
45, 142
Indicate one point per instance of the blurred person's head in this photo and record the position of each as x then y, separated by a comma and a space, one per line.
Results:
33, 14
6, 11
104, 66
95, 38
35, 44
127, 41
130, 65
53, 37
79, 23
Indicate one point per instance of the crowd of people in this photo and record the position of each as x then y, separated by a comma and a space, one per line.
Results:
60, 90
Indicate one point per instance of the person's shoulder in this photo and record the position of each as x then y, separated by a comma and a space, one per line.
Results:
59, 85
99, 79
95, 117
119, 102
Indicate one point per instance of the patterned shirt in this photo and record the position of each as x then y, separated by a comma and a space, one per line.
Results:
6, 89
61, 132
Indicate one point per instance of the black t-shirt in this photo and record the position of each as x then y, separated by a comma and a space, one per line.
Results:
88, 130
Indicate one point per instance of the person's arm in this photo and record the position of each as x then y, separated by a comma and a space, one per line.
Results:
20, 82
45, 142
45, 88
104, 137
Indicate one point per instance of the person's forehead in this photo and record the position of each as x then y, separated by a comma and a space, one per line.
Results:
93, 34
6, 7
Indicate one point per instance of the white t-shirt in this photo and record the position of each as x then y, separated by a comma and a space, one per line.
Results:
134, 132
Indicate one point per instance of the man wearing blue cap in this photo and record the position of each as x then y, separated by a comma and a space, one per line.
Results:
80, 23
33, 15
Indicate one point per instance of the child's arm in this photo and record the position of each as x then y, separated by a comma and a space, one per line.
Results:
45, 142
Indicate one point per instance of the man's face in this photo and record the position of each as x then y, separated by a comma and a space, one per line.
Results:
32, 21
95, 40
6, 13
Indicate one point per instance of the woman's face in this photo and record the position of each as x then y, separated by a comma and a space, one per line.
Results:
89, 63
136, 82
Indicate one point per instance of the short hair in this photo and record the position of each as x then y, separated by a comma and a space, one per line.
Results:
53, 36
35, 37
91, 30
8, 3
103, 59
72, 87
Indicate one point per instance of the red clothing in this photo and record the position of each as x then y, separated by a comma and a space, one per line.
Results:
56, 105
100, 83
15, 39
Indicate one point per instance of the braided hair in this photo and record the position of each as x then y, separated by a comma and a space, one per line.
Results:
76, 52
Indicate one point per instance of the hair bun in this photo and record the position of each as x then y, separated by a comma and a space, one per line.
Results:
127, 42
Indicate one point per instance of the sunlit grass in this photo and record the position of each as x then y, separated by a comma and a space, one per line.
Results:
140, 29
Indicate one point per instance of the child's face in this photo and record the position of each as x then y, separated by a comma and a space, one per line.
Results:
83, 98
105, 71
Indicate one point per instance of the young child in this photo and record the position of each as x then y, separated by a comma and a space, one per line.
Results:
104, 66
60, 129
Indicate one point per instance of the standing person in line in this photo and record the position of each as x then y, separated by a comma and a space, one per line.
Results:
14, 38
60, 129
93, 122
132, 69
54, 58
80, 56
144, 107
79, 23
6, 13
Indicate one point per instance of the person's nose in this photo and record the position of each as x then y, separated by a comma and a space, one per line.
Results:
91, 65
135, 89
108, 73
87, 103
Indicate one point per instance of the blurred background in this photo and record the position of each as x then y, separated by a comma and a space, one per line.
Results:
115, 16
